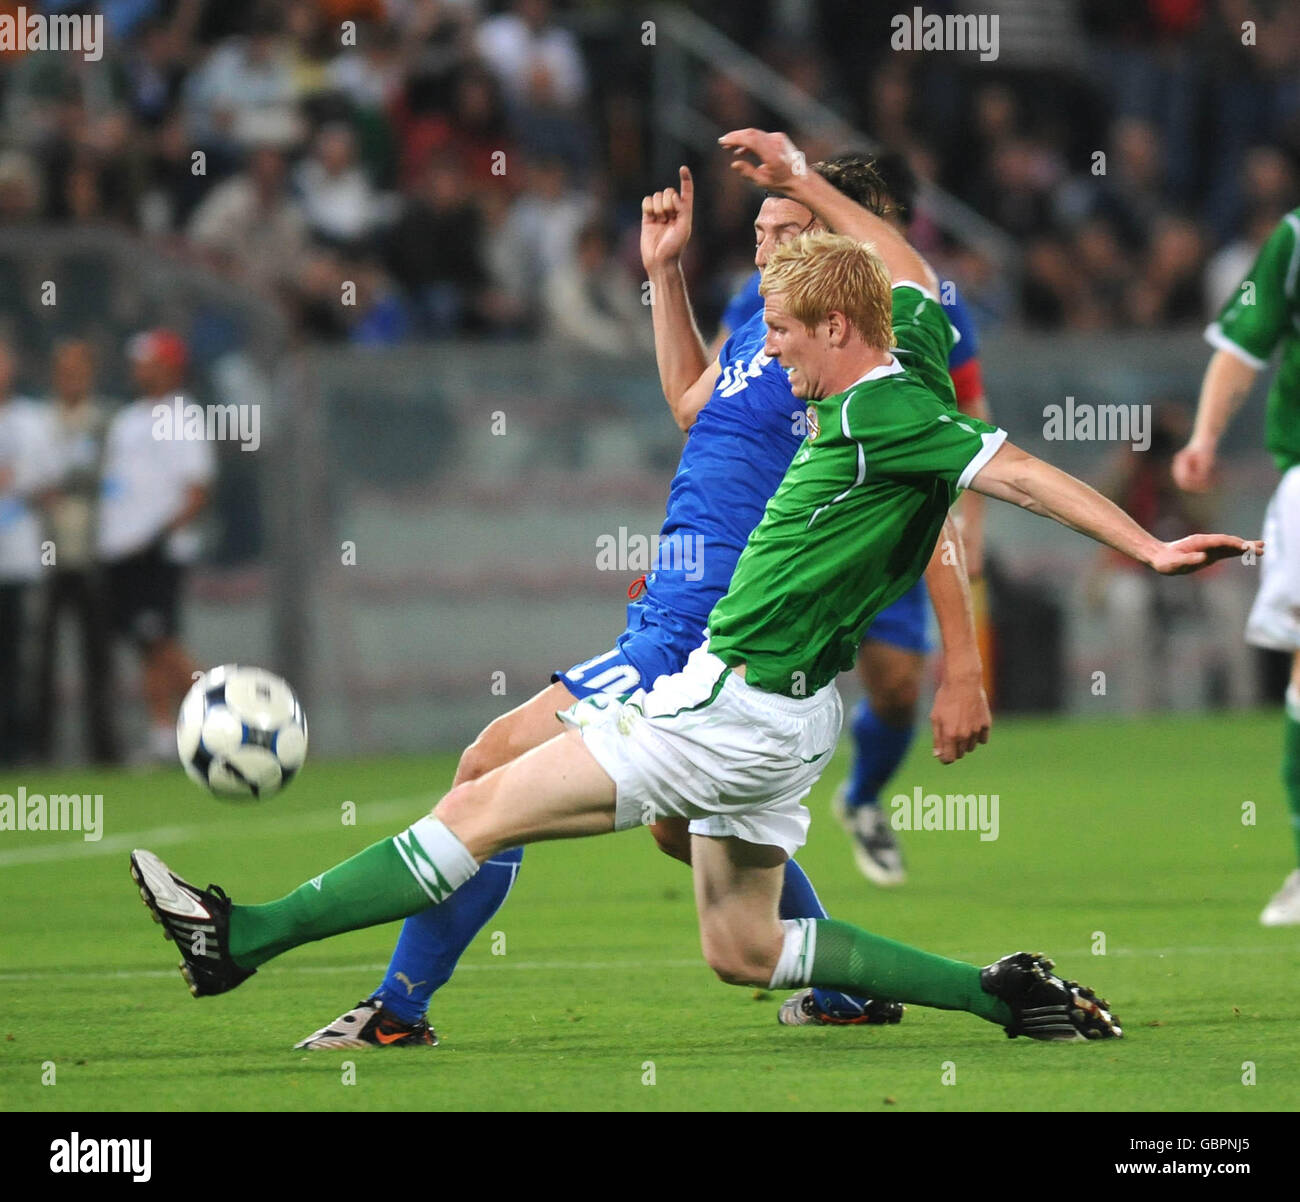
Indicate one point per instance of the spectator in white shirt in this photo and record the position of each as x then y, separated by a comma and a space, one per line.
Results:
338, 199
244, 90
154, 489
28, 469
513, 43
541, 229
79, 421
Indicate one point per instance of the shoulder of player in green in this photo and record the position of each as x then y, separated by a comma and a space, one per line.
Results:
1266, 304
923, 336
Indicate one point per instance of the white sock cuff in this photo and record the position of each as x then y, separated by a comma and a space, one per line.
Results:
439, 861
1293, 703
794, 968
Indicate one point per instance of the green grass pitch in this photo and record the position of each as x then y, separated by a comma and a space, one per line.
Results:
1130, 829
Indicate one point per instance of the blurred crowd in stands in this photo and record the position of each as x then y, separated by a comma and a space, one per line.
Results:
399, 170
474, 167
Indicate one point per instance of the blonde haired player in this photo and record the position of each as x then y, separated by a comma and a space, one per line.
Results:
735, 741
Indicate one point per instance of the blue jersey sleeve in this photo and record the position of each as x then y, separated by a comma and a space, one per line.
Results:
744, 304
966, 347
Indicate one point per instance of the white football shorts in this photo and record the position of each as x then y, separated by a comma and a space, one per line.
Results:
704, 745
1274, 620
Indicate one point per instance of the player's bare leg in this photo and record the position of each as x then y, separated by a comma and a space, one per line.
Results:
167, 671
521, 729
891, 678
737, 890
673, 835
396, 1013
807, 1007
555, 791
1283, 908
737, 894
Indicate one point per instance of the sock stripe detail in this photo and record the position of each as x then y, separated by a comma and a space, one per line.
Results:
438, 860
415, 872
423, 865
809, 949
794, 967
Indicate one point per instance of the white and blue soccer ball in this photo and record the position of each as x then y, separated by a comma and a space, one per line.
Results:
241, 732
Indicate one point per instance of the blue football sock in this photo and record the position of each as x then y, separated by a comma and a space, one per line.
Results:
878, 749
799, 900
798, 897
432, 941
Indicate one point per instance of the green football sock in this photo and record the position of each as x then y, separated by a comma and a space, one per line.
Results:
855, 961
1291, 765
391, 879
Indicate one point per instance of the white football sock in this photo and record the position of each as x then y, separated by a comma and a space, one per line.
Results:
794, 968
439, 861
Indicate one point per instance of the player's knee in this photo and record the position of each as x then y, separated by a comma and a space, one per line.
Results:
736, 960
894, 696
458, 803
673, 838
475, 760
737, 969
490, 750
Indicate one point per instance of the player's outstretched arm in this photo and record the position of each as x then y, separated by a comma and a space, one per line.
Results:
960, 717
1228, 381
1016, 476
685, 372
782, 168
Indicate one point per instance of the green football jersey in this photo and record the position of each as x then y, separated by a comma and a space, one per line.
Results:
855, 520
923, 339
1262, 313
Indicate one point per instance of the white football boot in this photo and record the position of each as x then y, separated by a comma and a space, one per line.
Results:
1283, 910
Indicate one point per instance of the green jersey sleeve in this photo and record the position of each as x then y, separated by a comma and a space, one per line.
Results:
923, 337
1259, 311
915, 435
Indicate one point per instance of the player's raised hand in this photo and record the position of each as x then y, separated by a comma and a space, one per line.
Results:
666, 223
1193, 467
780, 163
1198, 551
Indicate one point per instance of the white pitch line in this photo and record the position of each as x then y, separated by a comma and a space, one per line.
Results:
164, 836
325, 969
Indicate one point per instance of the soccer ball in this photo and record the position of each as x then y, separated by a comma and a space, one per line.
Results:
241, 732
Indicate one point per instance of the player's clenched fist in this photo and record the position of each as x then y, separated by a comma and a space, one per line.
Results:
666, 223
1193, 468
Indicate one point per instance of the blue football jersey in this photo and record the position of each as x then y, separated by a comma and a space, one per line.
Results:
744, 304
736, 453
966, 347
